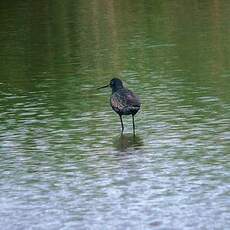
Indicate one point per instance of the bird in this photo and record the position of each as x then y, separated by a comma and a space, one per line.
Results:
123, 101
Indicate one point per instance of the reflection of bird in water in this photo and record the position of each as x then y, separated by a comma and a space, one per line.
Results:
124, 142
123, 101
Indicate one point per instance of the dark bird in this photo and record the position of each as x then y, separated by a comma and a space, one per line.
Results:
123, 101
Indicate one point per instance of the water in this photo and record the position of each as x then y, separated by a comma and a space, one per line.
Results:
63, 163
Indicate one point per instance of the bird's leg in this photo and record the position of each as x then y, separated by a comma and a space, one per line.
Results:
122, 126
133, 125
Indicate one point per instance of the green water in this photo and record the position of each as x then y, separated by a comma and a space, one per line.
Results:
63, 162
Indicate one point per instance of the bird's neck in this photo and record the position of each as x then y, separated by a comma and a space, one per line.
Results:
116, 88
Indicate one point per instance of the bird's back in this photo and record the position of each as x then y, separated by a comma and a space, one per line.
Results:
125, 102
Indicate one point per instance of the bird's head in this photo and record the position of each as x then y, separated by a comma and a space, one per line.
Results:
115, 84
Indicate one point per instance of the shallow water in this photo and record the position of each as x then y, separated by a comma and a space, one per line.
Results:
63, 162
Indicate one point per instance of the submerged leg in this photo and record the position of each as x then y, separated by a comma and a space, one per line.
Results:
122, 126
133, 125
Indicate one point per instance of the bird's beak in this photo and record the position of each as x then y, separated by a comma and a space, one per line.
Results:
103, 87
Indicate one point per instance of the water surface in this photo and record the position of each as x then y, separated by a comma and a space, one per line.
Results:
63, 162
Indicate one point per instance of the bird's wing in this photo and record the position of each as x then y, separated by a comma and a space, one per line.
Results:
132, 99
